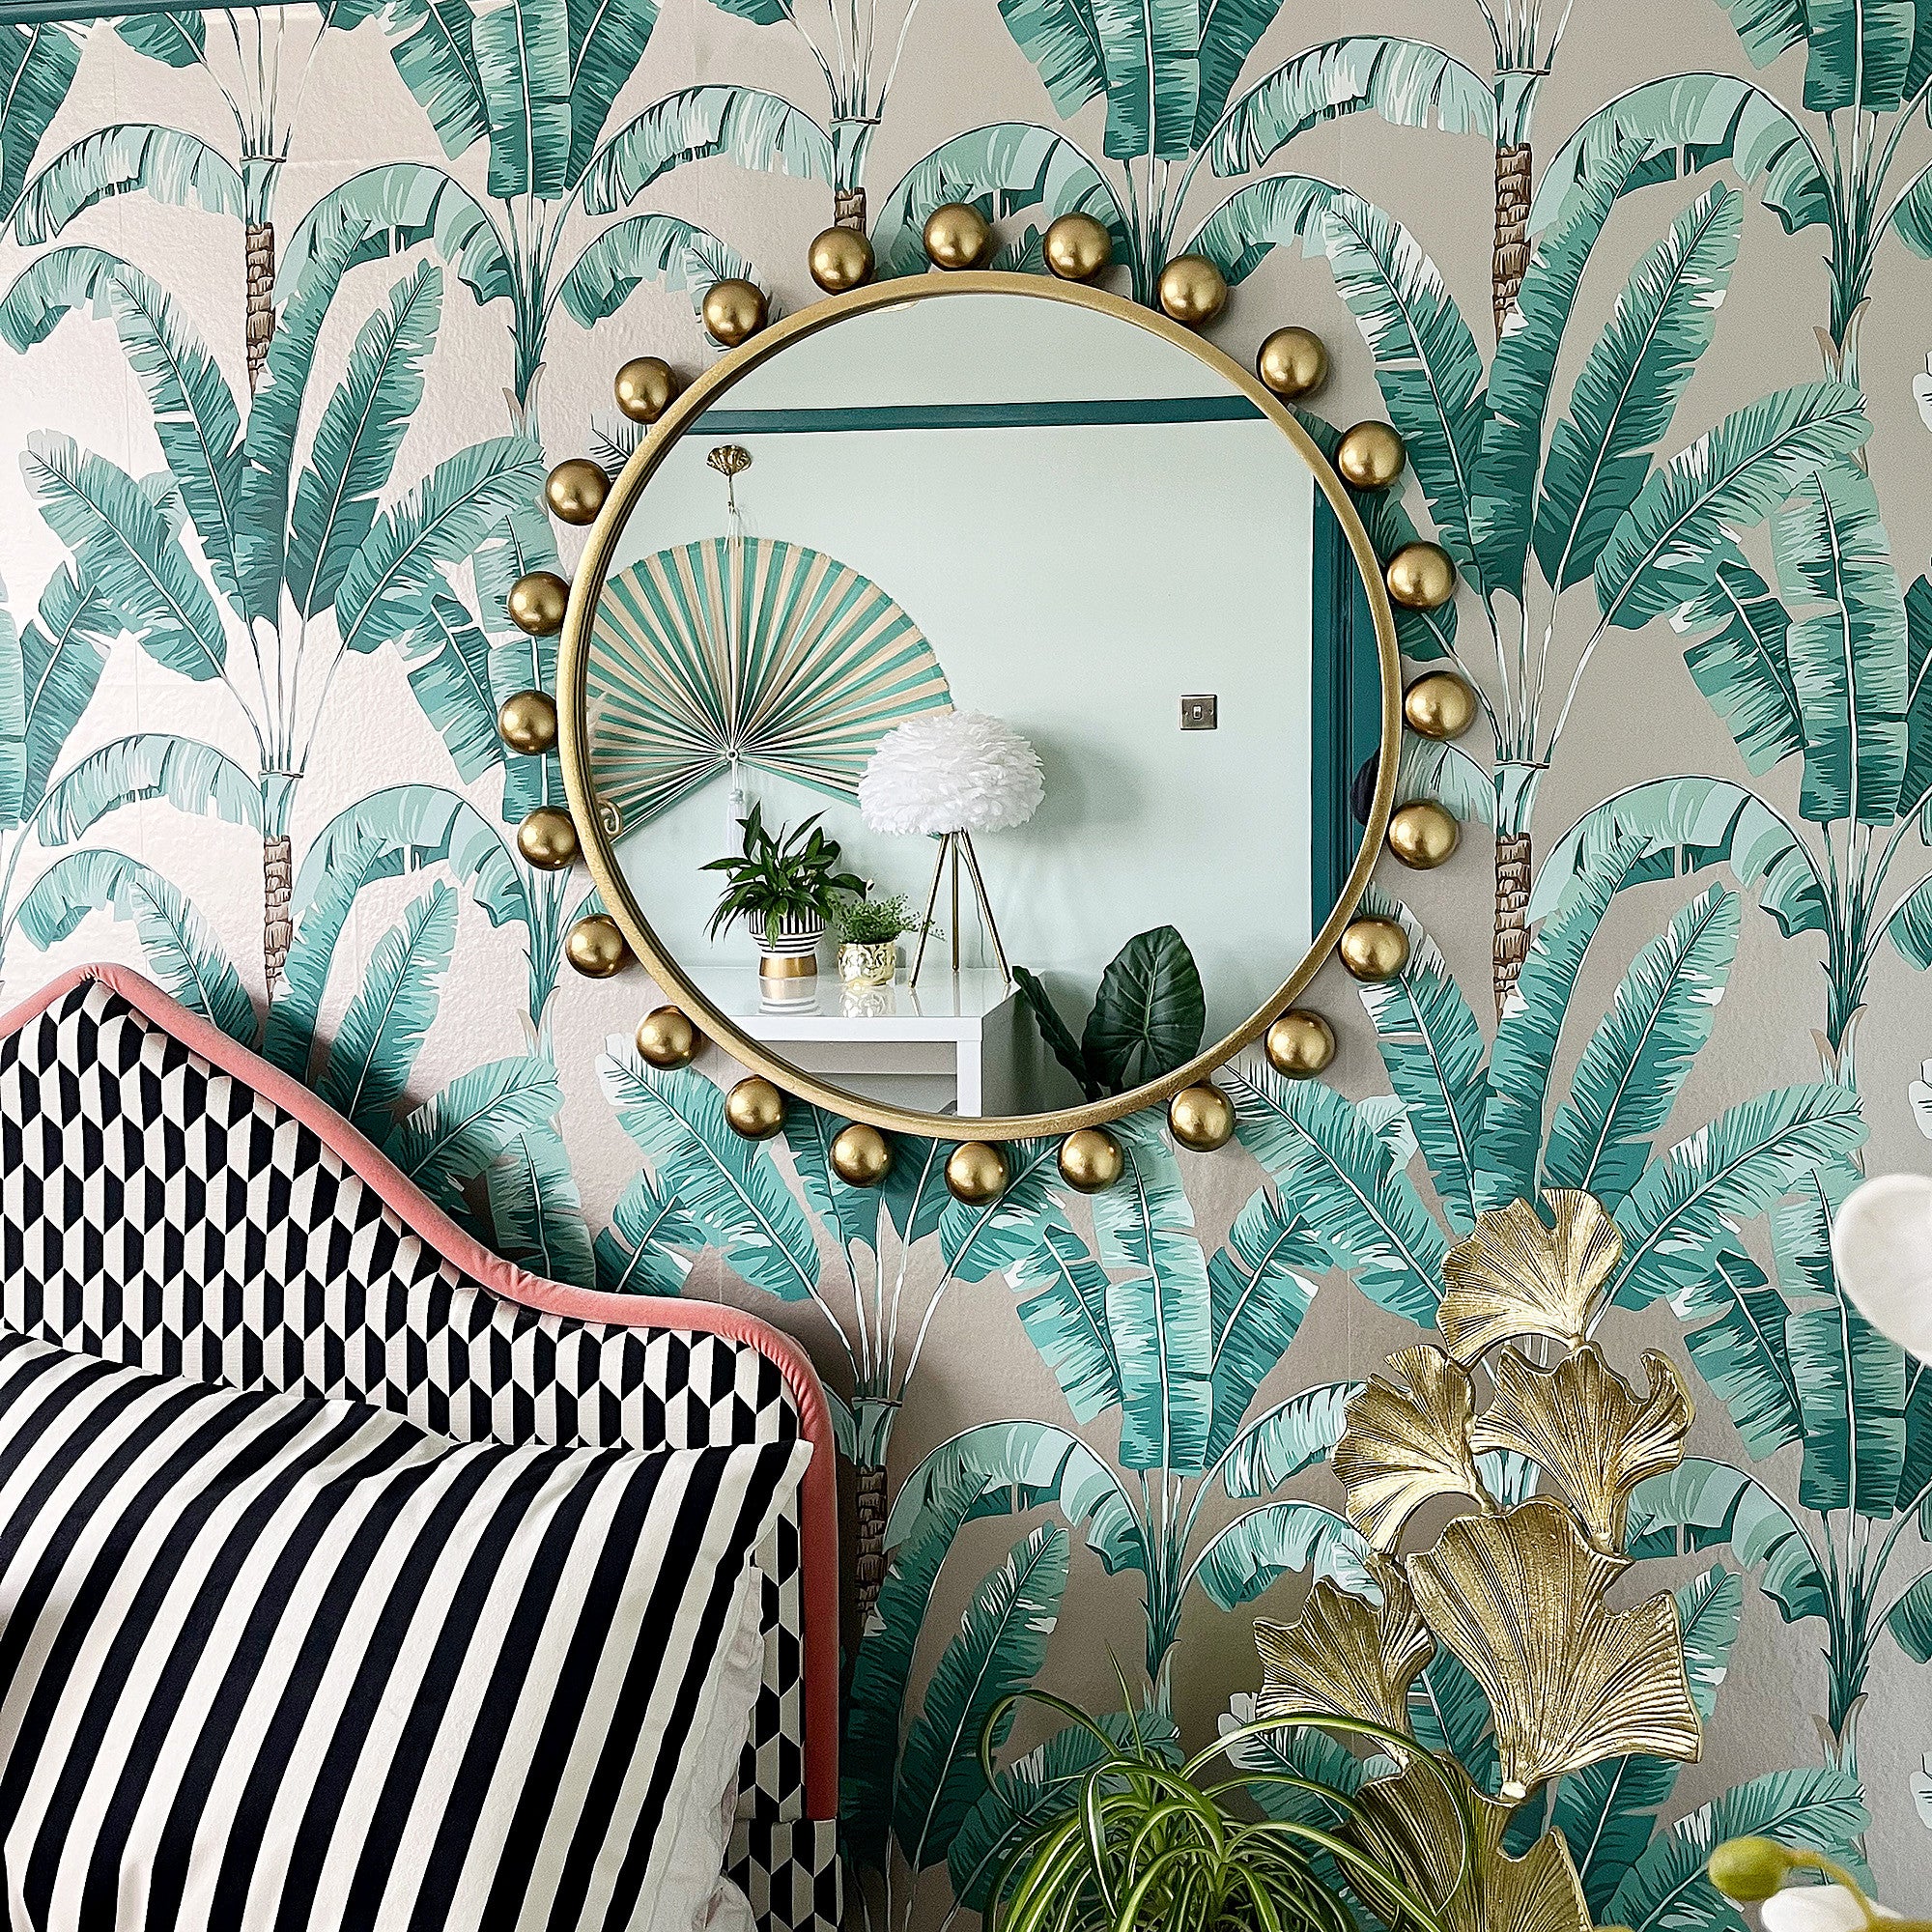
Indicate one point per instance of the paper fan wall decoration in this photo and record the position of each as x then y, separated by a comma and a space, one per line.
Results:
746, 652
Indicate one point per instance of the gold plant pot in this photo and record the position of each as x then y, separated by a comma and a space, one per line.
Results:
875, 964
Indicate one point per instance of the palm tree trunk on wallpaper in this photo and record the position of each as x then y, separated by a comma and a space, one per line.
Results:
1509, 254
1511, 936
261, 323
277, 885
848, 209
871, 1567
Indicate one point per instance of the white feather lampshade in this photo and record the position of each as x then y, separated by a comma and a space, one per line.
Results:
1881, 1241
958, 771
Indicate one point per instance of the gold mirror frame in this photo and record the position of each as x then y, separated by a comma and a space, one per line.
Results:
587, 589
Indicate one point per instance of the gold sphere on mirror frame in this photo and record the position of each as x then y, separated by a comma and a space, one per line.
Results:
1091, 1161
1440, 705
755, 1108
1077, 247
1192, 291
958, 236
1420, 577
1374, 948
646, 387
548, 838
1370, 456
575, 490
734, 311
1293, 363
536, 603
860, 1156
977, 1173
667, 1038
841, 259
527, 722
1201, 1118
1300, 1045
1423, 835
596, 948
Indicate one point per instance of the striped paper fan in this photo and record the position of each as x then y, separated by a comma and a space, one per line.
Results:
746, 651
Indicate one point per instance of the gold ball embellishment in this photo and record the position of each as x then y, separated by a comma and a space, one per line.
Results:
734, 311
1293, 363
755, 1108
667, 1038
1420, 577
575, 490
1077, 247
1438, 705
527, 722
596, 948
1201, 1118
1370, 456
1091, 1161
536, 603
958, 236
1423, 835
548, 838
977, 1173
860, 1156
841, 259
646, 387
1193, 291
1300, 1045
1374, 948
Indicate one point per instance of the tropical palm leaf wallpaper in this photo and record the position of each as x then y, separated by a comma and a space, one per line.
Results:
298, 305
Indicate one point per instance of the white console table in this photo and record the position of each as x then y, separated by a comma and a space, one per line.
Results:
946, 1046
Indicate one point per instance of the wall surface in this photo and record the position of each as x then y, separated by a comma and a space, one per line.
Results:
256, 750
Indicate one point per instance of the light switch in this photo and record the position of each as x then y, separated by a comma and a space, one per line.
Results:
1200, 711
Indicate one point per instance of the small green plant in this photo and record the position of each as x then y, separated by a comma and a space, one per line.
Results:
773, 878
1143, 1845
1148, 1018
864, 922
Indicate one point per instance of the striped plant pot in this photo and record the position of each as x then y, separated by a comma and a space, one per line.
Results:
790, 950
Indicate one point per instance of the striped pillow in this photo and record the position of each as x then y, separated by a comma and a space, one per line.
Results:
274, 1662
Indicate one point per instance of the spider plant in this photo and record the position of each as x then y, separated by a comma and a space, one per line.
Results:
778, 875
1144, 1842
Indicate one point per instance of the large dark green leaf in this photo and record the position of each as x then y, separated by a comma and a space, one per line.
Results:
38, 64
1635, 1063
754, 130
1148, 1015
1857, 52
1427, 363
1627, 391
430, 43
1740, 1352
608, 39
1739, 658
1002, 1643
1143, 54
1732, 477
1689, 122
1706, 1505
1846, 645
522, 61
168, 164
1258, 1291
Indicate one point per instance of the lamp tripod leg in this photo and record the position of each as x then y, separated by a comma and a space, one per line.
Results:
952, 839
985, 906
931, 900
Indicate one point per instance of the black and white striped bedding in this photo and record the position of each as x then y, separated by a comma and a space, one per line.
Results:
275, 1661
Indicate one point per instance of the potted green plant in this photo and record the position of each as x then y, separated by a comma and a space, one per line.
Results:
783, 887
869, 931
1138, 1842
1147, 1019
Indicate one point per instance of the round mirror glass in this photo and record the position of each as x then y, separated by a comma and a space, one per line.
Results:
965, 688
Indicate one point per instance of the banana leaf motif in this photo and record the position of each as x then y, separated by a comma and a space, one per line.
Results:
753, 652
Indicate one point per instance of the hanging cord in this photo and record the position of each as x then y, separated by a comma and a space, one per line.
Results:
731, 460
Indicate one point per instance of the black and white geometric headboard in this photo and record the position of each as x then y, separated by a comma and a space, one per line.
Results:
170, 1201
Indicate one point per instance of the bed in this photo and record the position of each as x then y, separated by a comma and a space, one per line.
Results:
170, 1201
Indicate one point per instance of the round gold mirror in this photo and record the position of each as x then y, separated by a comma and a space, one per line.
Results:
965, 701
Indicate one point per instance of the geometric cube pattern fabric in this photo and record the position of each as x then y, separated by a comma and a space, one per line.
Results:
158, 1211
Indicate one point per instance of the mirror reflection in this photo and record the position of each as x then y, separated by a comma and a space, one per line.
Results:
972, 700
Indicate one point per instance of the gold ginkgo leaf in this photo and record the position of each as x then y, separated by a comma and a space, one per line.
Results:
1520, 1599
1588, 1431
1406, 1444
1512, 1276
1345, 1655
1408, 1825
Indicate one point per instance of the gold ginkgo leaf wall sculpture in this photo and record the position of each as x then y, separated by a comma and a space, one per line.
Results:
1514, 1587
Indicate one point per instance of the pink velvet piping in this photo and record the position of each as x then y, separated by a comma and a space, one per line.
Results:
818, 1504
